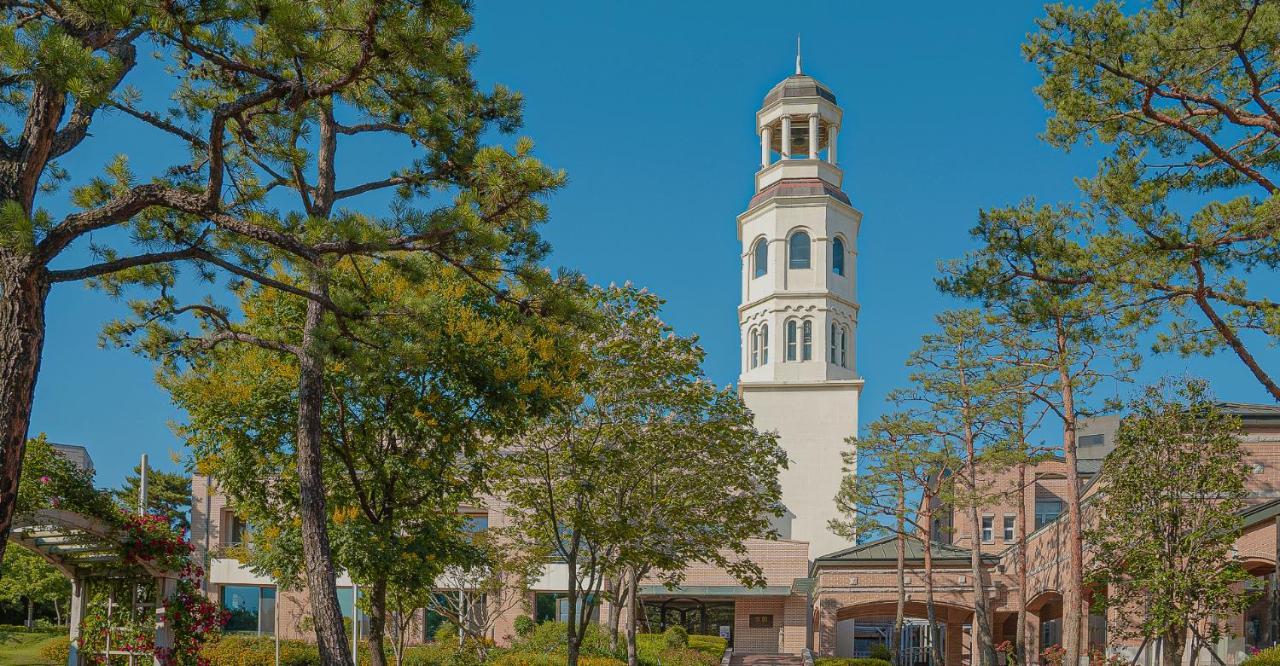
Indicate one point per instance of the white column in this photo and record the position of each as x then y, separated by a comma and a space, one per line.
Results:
77, 617
813, 136
785, 148
766, 137
831, 143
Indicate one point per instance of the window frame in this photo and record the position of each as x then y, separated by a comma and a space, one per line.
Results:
792, 262
760, 258
837, 256
753, 334
1008, 527
764, 343
988, 529
792, 340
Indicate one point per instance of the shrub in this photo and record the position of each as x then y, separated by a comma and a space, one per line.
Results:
676, 637
1267, 657
447, 633
56, 650
238, 650
553, 637
686, 657
881, 651
850, 661
524, 625
546, 659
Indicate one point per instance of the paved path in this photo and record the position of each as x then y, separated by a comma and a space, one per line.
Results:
766, 660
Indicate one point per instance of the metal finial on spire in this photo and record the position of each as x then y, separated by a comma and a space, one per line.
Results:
798, 54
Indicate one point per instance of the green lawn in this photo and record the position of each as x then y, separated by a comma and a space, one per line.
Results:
21, 648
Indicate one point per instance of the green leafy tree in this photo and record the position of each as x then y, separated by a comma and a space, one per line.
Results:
416, 399
1168, 517
631, 481
168, 495
890, 464
1185, 96
25, 577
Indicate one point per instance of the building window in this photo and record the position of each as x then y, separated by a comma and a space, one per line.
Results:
988, 529
760, 621
1008, 527
237, 531
764, 344
347, 604
1047, 510
835, 340
837, 256
760, 258
798, 250
807, 347
755, 348
251, 609
791, 340
844, 348
554, 607
1051, 632
477, 522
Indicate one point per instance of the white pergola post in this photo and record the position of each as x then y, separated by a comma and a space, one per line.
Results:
75, 619
165, 590
785, 148
813, 136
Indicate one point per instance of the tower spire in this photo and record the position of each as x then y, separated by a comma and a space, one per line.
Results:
798, 54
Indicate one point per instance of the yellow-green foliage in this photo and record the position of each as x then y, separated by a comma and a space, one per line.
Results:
544, 659
56, 650
234, 650
850, 661
1267, 657
702, 649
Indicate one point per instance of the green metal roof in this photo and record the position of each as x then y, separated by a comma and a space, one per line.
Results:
716, 591
883, 551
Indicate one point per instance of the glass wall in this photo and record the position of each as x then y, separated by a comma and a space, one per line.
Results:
554, 607
346, 602
252, 609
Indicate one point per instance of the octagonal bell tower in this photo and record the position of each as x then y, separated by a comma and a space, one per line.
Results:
799, 310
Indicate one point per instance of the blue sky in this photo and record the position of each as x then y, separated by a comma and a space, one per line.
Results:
649, 108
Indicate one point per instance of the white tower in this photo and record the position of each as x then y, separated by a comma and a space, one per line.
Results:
799, 307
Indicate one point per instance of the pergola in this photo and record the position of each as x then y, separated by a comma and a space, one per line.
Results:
87, 549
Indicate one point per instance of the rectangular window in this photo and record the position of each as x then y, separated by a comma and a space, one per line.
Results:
237, 530
252, 609
346, 602
988, 524
477, 522
1008, 527
554, 607
808, 341
760, 621
1047, 510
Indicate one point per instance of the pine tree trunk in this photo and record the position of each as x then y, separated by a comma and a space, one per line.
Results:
31, 614
1073, 594
331, 636
935, 654
981, 612
23, 290
377, 623
1020, 641
1173, 642
900, 612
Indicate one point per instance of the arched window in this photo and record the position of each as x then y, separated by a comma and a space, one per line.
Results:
837, 256
791, 340
806, 352
798, 250
760, 258
755, 348
764, 344
835, 335
844, 347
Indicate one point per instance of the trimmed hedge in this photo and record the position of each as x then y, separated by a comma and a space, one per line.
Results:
849, 661
554, 659
237, 650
